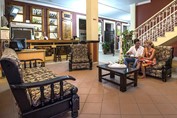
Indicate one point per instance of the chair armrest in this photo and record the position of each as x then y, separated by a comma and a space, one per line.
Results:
168, 62
50, 83
163, 64
42, 83
89, 55
71, 56
33, 62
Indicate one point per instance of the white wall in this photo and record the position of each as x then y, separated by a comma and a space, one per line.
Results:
77, 23
133, 16
2, 9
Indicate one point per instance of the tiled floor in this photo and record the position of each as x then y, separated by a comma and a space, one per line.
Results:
108, 57
152, 98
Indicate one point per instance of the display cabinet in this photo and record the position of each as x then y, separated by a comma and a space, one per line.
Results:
53, 24
67, 30
20, 17
37, 18
66, 26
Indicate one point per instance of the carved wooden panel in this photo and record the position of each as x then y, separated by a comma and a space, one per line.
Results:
66, 30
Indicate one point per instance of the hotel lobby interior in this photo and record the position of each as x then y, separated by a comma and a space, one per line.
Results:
55, 37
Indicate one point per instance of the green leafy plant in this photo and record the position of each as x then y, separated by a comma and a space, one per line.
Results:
127, 41
106, 47
121, 60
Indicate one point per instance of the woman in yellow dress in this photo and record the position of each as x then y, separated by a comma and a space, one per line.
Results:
148, 58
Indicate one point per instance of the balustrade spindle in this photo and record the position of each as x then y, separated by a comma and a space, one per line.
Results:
157, 25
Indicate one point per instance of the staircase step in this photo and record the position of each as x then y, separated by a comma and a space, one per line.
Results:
167, 37
170, 34
175, 28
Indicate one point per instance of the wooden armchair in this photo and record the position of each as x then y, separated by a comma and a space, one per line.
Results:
38, 92
80, 57
163, 68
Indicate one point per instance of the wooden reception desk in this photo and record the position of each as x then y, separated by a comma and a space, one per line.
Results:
50, 45
31, 54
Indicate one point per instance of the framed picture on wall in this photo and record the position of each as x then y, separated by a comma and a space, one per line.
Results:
66, 30
67, 15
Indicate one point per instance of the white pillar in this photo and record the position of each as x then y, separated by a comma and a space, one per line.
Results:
133, 16
92, 20
2, 9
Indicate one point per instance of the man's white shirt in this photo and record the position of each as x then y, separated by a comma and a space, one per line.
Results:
138, 52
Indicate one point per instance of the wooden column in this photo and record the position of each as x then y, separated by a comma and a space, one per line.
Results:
92, 26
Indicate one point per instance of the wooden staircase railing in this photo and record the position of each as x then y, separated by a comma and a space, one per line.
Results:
163, 21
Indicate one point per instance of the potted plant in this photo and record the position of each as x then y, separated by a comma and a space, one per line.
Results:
127, 41
105, 47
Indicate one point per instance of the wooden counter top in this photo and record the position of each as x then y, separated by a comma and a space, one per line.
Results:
58, 41
31, 51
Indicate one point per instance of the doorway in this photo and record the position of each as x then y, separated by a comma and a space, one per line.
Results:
108, 35
109, 31
81, 27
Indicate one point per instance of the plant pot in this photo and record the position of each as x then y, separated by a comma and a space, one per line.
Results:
105, 51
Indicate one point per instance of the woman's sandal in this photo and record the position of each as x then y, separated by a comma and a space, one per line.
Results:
143, 77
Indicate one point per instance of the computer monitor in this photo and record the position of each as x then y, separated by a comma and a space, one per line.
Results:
18, 44
19, 34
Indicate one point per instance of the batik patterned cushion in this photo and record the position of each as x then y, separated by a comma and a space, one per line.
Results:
163, 53
10, 54
155, 73
40, 74
80, 53
159, 65
80, 65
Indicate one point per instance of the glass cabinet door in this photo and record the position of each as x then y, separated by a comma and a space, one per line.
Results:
66, 25
37, 20
20, 15
53, 24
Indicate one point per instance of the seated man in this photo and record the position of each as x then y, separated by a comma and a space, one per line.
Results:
134, 51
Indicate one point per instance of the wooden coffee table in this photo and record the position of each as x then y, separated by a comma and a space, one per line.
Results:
123, 73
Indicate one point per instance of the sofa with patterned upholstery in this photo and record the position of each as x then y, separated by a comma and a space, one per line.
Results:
163, 68
80, 57
37, 91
